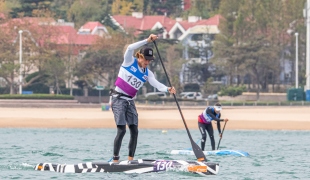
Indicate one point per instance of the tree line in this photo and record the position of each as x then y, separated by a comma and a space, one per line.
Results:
249, 50
254, 41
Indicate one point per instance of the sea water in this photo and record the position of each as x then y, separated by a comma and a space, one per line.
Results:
273, 154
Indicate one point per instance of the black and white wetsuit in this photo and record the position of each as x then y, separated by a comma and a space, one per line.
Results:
204, 124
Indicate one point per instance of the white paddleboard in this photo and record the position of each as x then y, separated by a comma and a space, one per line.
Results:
217, 152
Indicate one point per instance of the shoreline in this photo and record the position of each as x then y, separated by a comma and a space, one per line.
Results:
247, 118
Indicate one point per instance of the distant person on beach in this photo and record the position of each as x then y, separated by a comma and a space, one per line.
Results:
211, 113
132, 75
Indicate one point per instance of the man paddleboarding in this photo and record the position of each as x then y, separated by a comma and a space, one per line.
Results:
211, 113
132, 75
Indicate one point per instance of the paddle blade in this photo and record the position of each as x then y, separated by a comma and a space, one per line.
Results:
198, 152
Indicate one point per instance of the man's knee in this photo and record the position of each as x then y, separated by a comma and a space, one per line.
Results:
204, 137
134, 130
121, 131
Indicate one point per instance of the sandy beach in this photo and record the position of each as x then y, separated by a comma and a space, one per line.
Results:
266, 118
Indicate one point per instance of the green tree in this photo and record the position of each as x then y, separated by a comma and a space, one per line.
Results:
295, 22
210, 87
252, 37
158, 7
213, 5
2, 6
32, 8
60, 8
199, 71
103, 60
55, 70
174, 65
9, 56
82, 11
122, 7
138, 5
200, 8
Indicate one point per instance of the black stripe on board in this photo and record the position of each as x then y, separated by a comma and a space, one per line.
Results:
54, 166
76, 169
63, 170
98, 169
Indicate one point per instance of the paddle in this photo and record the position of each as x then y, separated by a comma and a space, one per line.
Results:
222, 136
197, 151
196, 143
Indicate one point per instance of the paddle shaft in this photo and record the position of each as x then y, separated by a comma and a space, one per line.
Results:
222, 136
197, 151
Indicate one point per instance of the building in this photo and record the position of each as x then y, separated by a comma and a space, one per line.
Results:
193, 32
93, 28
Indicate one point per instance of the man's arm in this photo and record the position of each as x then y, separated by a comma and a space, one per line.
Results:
210, 113
151, 78
219, 126
128, 56
218, 120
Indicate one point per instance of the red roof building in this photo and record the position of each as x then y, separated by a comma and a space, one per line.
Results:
94, 28
58, 33
138, 22
173, 29
68, 36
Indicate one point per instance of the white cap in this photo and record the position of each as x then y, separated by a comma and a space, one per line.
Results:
218, 108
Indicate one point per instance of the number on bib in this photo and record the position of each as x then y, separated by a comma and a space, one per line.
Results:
134, 82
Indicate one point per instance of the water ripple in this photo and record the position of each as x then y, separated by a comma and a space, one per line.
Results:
272, 153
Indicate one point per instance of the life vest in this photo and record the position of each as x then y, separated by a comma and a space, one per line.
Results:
206, 118
130, 79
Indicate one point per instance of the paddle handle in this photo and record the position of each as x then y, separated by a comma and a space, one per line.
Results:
221, 136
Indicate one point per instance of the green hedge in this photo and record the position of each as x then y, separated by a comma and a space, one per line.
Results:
42, 89
4, 90
192, 87
232, 91
38, 88
35, 96
95, 92
75, 92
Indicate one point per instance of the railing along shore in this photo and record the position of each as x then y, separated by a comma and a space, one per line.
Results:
227, 103
22, 103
